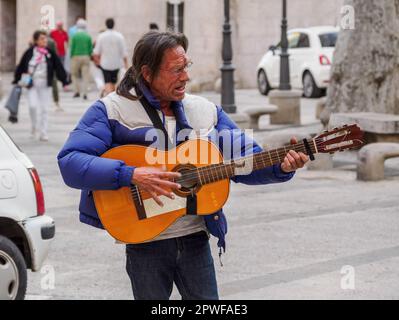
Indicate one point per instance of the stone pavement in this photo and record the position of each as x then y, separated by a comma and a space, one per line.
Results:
304, 239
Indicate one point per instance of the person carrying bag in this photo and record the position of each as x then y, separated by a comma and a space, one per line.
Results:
36, 72
12, 103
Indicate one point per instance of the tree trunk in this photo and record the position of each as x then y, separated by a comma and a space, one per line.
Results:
365, 70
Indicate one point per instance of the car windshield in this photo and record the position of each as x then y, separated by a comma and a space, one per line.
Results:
328, 39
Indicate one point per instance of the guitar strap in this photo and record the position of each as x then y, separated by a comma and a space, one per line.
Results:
191, 204
156, 121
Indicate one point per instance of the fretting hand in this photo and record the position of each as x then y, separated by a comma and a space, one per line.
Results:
156, 182
294, 160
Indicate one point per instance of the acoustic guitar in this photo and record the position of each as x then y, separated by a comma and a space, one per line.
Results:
130, 215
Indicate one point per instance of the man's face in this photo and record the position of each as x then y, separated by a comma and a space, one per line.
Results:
170, 82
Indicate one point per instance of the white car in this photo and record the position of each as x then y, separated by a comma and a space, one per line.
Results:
25, 232
310, 56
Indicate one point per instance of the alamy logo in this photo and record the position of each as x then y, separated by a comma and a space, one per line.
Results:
47, 282
47, 21
347, 18
348, 278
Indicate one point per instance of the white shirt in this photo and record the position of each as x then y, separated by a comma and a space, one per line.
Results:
38, 66
170, 125
111, 47
187, 224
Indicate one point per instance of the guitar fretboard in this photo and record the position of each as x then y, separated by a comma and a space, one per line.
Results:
267, 158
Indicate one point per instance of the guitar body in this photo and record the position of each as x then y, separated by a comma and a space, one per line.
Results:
118, 209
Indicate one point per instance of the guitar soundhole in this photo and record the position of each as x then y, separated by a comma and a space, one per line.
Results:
188, 180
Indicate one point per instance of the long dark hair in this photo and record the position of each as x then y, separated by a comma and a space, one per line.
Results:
37, 34
149, 51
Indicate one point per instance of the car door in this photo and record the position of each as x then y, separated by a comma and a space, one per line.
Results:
299, 46
300, 58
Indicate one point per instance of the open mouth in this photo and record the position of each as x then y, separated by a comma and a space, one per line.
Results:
181, 89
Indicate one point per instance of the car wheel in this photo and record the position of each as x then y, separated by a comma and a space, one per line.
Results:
310, 89
263, 83
13, 274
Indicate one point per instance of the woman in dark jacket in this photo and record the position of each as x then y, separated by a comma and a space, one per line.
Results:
39, 65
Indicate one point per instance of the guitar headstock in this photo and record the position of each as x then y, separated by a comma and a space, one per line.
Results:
339, 139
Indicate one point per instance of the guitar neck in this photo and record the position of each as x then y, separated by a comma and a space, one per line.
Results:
229, 169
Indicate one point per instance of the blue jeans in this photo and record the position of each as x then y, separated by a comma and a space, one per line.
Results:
186, 261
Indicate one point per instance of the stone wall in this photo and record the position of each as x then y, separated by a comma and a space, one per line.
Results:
29, 19
8, 34
203, 27
132, 17
255, 24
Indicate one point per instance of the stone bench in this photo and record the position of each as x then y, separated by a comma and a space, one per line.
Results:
371, 158
289, 106
241, 119
255, 113
377, 127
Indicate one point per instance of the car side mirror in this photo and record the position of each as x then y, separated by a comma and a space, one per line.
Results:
273, 49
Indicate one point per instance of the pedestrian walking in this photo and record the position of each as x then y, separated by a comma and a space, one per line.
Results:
71, 32
111, 55
56, 97
60, 36
81, 50
36, 70
96, 71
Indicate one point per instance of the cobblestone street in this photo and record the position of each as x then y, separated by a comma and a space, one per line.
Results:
285, 241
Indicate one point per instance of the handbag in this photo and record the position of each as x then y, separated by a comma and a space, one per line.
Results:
12, 103
26, 81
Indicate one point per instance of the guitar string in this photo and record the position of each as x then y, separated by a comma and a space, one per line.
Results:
212, 174
194, 174
221, 166
263, 153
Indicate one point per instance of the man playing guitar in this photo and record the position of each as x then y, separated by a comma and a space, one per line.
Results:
158, 76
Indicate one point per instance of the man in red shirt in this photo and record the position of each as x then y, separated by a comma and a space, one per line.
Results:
60, 37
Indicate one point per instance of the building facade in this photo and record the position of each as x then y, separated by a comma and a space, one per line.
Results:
255, 26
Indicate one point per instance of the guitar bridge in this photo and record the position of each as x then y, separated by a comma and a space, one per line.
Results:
138, 202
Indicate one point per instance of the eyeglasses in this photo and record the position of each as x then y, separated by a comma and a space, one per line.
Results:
179, 71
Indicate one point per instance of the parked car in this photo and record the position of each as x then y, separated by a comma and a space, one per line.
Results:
311, 52
25, 232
